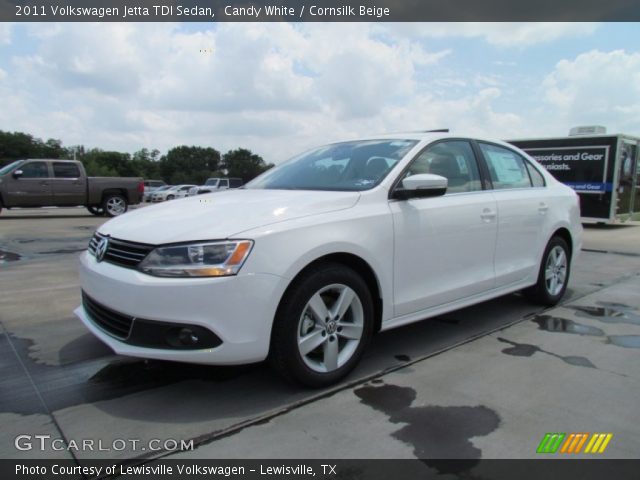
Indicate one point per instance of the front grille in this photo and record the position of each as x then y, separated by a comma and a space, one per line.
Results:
114, 323
121, 252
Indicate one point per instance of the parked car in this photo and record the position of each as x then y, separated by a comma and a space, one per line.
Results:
176, 191
63, 183
314, 256
151, 186
202, 189
223, 183
157, 191
183, 191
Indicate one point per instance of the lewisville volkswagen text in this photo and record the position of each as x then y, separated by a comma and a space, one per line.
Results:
305, 263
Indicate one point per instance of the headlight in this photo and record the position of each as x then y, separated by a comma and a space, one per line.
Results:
205, 259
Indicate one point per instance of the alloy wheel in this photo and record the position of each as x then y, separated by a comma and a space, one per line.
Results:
330, 328
556, 270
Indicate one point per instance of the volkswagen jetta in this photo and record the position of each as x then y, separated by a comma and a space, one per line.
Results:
305, 263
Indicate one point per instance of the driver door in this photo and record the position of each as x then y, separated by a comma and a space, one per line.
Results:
444, 246
32, 188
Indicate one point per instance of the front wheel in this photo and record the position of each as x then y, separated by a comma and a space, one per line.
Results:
114, 205
553, 276
322, 326
97, 211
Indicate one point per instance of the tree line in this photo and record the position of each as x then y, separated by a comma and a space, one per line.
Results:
182, 164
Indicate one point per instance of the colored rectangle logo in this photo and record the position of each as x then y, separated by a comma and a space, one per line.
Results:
574, 443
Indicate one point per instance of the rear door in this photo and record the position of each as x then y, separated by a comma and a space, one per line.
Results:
68, 185
32, 188
444, 246
522, 209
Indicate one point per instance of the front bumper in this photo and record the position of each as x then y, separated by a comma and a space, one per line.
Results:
239, 310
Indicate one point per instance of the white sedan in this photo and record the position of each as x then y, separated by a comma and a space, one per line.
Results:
176, 191
304, 264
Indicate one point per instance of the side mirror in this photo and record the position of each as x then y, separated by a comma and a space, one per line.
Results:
421, 186
17, 173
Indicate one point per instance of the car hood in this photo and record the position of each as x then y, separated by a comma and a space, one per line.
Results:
222, 214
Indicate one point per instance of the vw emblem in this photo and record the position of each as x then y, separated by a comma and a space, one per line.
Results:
101, 249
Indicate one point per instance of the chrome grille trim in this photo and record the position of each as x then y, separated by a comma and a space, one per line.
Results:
121, 252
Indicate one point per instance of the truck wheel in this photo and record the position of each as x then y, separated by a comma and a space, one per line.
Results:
553, 275
97, 211
114, 205
322, 326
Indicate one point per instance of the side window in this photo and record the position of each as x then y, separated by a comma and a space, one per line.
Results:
451, 159
235, 182
506, 167
223, 183
35, 170
536, 177
65, 170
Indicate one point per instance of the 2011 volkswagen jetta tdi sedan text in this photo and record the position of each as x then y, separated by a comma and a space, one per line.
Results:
308, 261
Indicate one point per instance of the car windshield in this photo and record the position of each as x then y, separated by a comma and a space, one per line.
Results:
11, 166
350, 166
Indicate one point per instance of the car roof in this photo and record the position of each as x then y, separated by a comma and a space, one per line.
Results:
428, 137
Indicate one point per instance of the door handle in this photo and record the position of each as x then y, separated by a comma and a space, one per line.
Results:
542, 208
488, 215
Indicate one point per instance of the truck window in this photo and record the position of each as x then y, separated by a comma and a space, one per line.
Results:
235, 182
35, 170
65, 170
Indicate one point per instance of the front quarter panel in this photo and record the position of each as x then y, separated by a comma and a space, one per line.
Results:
365, 230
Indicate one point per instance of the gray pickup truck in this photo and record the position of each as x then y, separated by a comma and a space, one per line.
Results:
64, 183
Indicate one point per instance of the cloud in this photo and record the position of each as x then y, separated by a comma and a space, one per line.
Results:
122, 85
5, 33
504, 34
279, 88
596, 87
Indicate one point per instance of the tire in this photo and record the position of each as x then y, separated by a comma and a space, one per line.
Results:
312, 351
553, 276
114, 205
97, 211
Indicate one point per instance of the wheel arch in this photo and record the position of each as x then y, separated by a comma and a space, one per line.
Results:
115, 191
356, 263
564, 234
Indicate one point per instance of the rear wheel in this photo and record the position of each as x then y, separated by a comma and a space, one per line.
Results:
553, 276
114, 205
322, 326
97, 211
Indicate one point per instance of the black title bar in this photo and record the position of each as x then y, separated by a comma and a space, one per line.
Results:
318, 10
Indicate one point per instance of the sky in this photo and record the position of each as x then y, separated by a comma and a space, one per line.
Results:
280, 88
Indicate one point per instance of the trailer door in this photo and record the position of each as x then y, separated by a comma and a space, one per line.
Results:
627, 173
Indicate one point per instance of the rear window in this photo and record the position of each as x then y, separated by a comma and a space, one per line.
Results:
65, 170
507, 168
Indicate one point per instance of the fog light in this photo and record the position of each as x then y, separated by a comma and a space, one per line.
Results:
187, 337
